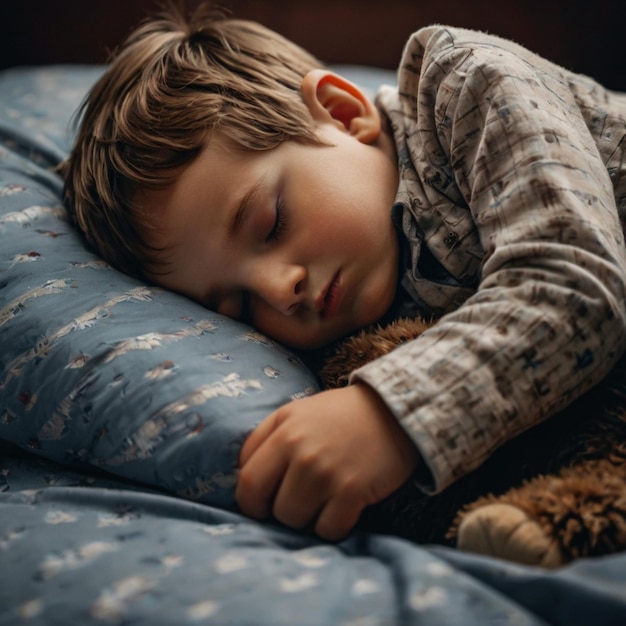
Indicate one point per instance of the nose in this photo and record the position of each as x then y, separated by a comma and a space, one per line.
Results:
282, 286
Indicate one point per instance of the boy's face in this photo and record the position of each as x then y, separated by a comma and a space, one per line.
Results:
297, 240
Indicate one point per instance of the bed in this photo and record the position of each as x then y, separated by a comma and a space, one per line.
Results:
123, 408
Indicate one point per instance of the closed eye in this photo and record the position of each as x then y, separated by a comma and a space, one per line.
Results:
279, 222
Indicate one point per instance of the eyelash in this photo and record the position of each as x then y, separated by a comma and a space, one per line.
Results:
279, 224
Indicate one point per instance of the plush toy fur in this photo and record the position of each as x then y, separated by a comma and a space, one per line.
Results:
553, 494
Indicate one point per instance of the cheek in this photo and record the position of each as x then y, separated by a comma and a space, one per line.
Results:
337, 217
283, 330
293, 331
267, 321
327, 235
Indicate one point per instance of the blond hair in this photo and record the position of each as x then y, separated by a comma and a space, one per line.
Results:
173, 81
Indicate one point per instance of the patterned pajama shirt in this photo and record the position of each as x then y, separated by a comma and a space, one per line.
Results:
513, 187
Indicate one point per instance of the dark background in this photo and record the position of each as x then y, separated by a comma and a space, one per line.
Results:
587, 37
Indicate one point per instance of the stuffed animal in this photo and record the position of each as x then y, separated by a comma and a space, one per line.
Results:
553, 494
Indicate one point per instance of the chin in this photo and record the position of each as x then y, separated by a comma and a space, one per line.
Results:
319, 340
328, 335
315, 343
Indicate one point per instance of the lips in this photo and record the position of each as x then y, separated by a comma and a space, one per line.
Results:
330, 299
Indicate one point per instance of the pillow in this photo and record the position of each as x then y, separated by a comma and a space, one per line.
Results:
96, 368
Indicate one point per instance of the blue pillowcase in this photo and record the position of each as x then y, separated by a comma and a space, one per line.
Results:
96, 368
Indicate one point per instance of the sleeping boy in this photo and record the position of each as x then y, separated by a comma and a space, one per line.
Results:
222, 161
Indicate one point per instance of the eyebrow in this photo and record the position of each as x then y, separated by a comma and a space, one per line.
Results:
243, 210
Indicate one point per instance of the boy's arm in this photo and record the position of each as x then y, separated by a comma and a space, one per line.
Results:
319, 461
548, 320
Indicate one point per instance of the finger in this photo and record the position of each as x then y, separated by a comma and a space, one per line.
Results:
258, 436
259, 479
300, 497
338, 517
254, 440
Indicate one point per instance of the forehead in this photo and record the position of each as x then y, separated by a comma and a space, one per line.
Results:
207, 182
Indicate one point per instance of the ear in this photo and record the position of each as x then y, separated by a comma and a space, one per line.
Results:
335, 100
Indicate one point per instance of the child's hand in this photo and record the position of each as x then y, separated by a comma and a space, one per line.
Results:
321, 460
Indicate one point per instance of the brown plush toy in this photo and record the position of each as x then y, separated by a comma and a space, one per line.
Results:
553, 494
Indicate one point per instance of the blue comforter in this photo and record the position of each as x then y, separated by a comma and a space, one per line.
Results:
82, 548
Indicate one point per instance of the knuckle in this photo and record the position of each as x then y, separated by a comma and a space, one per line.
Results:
351, 490
312, 463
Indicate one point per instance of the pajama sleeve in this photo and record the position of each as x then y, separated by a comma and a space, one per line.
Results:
548, 318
